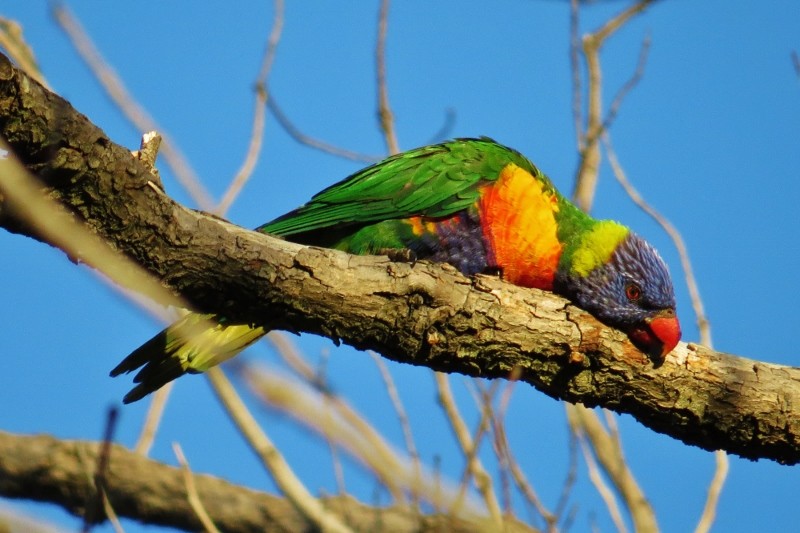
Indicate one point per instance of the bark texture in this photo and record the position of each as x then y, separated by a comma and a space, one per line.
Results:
423, 314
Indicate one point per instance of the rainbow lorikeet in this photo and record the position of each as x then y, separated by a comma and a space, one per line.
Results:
475, 204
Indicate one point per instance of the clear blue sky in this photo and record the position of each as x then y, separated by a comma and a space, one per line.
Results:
710, 138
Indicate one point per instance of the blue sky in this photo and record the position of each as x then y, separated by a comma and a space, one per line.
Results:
709, 137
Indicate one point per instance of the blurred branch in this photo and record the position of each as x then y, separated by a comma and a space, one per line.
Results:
714, 492
155, 411
46, 469
469, 448
575, 68
446, 128
389, 466
360, 426
608, 451
402, 416
272, 459
191, 492
257, 133
384, 109
703, 324
589, 149
508, 460
424, 313
694, 292
12, 40
135, 113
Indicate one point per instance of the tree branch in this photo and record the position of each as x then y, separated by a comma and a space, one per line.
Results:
424, 314
47, 469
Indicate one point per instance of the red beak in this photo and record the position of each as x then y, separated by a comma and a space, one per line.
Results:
658, 335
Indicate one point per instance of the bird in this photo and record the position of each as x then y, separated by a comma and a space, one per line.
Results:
473, 203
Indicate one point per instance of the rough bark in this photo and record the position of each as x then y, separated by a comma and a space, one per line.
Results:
46, 469
423, 314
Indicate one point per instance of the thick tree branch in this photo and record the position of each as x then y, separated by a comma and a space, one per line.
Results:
423, 314
46, 469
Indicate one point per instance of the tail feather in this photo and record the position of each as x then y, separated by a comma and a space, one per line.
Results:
193, 344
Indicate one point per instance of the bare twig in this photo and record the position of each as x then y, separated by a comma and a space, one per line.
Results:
384, 109
271, 457
575, 67
703, 324
609, 454
694, 292
295, 133
601, 486
402, 416
714, 492
447, 127
626, 88
134, 112
99, 497
191, 491
257, 132
509, 462
569, 480
152, 420
586, 178
391, 468
468, 447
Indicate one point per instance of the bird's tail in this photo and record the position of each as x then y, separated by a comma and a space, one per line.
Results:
193, 344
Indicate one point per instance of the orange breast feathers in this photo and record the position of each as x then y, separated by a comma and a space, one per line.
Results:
519, 227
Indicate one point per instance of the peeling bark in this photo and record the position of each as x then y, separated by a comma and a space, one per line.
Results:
424, 314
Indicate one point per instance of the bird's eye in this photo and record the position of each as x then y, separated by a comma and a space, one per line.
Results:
633, 292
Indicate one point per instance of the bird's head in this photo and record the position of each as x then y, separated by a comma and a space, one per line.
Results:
618, 277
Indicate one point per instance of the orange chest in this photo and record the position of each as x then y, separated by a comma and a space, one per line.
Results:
518, 220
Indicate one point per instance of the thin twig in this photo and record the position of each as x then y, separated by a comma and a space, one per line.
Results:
704, 326
570, 479
259, 112
134, 112
474, 465
575, 67
601, 486
272, 459
694, 292
384, 109
627, 87
295, 133
609, 455
390, 466
509, 462
587, 174
446, 128
320, 382
714, 492
152, 420
191, 491
363, 428
402, 416
93, 507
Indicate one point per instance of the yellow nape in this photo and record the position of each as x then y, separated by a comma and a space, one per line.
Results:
597, 246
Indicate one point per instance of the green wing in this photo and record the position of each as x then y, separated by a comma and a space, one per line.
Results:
432, 181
